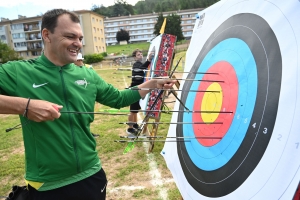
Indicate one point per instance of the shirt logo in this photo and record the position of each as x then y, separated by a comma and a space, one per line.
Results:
36, 86
104, 187
82, 82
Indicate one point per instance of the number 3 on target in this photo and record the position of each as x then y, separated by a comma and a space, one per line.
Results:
265, 130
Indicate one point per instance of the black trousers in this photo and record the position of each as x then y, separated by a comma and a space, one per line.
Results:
91, 188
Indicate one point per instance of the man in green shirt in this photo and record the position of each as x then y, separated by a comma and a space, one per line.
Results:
60, 157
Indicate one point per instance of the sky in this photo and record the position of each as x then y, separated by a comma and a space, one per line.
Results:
12, 8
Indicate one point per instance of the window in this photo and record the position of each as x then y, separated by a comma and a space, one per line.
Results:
101, 31
16, 26
2, 37
36, 53
97, 49
98, 29
18, 35
94, 30
93, 19
34, 45
20, 44
95, 39
100, 21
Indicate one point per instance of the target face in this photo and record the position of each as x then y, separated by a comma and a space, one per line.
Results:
216, 167
244, 61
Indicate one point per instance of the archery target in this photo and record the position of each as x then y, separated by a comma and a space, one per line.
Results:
257, 63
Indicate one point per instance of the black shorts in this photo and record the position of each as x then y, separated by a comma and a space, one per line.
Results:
91, 188
135, 106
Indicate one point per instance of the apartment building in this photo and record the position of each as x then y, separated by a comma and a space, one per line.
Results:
141, 27
24, 34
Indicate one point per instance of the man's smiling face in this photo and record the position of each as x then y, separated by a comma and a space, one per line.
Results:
65, 42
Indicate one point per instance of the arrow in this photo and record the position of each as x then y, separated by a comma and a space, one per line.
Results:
99, 113
123, 141
198, 137
191, 111
131, 123
135, 88
130, 145
145, 70
178, 79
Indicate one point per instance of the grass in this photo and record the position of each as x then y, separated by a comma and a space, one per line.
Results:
131, 169
127, 49
144, 46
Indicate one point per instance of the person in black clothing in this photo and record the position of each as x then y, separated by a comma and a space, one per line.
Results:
137, 80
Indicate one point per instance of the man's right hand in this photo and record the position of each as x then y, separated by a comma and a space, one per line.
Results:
39, 110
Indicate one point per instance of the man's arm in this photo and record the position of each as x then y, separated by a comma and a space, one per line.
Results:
38, 110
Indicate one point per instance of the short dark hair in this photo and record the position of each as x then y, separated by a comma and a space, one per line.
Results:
49, 20
135, 51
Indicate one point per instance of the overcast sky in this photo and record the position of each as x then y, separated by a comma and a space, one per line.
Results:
12, 8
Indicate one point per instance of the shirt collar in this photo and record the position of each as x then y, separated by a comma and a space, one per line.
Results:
43, 59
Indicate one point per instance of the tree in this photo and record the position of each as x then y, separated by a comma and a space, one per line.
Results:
122, 35
157, 26
173, 26
7, 53
120, 8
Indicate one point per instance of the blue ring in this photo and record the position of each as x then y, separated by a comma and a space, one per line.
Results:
234, 51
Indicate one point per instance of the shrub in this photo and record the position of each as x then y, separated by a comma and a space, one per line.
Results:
104, 54
93, 58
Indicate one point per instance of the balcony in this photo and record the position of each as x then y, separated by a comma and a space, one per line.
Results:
33, 36
24, 48
34, 46
31, 27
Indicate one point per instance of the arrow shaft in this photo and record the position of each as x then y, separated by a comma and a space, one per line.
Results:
123, 141
144, 70
214, 91
131, 123
99, 113
178, 79
149, 137
192, 111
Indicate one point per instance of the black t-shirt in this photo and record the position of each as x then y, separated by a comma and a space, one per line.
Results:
138, 65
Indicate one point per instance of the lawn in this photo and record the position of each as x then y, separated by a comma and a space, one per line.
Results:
144, 46
127, 49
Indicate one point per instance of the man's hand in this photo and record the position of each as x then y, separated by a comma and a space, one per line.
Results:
156, 83
39, 110
164, 83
